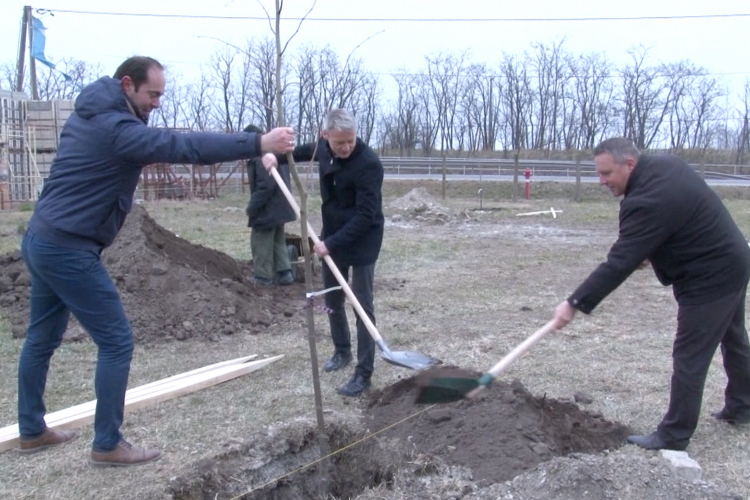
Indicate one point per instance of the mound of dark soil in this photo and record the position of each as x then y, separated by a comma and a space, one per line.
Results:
500, 434
170, 288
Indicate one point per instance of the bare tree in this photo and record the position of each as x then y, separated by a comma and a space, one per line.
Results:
172, 112
516, 100
401, 125
52, 84
552, 75
646, 99
480, 105
429, 122
743, 135
198, 104
444, 77
366, 106
8, 76
222, 67
593, 94
325, 82
262, 56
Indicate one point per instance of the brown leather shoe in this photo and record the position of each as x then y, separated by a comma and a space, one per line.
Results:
48, 439
124, 455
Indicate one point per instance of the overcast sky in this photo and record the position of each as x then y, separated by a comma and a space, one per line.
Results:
717, 44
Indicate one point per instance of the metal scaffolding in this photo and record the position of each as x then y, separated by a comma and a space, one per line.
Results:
29, 137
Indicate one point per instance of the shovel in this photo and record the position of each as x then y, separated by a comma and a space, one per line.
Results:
407, 359
448, 389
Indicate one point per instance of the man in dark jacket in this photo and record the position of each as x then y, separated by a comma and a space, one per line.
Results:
89, 192
351, 180
670, 217
267, 213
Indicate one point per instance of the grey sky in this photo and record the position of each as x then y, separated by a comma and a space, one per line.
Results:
717, 44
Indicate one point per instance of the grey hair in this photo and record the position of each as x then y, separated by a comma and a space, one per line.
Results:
620, 148
340, 119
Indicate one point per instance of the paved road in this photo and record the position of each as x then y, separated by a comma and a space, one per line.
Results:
542, 178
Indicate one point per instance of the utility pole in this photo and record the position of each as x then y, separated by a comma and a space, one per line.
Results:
22, 50
32, 61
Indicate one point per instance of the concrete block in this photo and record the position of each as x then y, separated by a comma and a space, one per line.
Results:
681, 465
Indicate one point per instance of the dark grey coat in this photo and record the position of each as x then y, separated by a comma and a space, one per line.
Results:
671, 217
352, 201
268, 207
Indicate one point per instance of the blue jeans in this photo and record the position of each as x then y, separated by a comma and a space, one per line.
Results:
65, 280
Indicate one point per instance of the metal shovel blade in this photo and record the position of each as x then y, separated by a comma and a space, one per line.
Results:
409, 359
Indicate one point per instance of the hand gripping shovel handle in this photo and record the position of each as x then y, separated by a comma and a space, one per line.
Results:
332, 266
509, 358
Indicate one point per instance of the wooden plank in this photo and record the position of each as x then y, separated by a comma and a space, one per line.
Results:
9, 436
83, 408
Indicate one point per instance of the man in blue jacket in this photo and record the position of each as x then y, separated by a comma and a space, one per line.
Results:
670, 217
89, 192
351, 181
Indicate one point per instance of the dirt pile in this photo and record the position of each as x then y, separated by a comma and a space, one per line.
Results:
421, 206
170, 288
505, 444
499, 435
510, 444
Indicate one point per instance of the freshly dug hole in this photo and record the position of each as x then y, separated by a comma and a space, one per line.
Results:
254, 470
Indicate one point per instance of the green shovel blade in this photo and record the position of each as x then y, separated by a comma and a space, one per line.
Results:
446, 390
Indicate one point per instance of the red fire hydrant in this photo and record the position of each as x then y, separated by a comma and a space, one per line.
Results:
527, 188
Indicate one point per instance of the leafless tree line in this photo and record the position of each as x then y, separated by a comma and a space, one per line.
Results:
545, 99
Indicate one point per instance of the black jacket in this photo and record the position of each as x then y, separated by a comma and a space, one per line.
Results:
268, 206
671, 217
352, 202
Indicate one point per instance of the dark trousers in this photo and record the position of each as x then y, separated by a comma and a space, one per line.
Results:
64, 280
700, 330
362, 280
270, 256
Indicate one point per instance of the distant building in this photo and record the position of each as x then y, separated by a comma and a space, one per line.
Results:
29, 137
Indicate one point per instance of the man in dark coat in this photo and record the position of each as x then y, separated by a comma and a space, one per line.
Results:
670, 217
267, 213
351, 180
104, 146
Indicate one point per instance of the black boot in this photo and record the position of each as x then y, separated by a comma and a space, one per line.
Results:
654, 442
284, 278
356, 386
337, 362
724, 416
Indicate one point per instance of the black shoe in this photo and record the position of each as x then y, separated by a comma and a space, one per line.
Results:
727, 417
337, 362
262, 281
284, 277
654, 442
356, 386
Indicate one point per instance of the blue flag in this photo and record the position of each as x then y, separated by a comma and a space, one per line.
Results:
37, 47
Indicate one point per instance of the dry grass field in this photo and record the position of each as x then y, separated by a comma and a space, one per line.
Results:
466, 289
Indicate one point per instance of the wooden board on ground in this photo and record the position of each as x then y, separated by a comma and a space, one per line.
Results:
146, 395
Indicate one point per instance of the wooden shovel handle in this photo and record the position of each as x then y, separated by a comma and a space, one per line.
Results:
514, 355
331, 265
520, 349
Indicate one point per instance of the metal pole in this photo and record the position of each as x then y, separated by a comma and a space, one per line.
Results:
515, 176
578, 177
22, 50
444, 175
